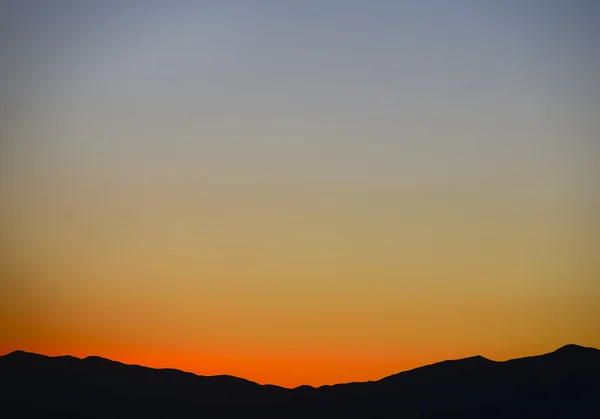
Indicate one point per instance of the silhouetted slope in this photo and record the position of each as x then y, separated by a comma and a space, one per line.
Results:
96, 385
562, 384
565, 383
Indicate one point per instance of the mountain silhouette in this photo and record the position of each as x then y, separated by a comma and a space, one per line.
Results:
561, 384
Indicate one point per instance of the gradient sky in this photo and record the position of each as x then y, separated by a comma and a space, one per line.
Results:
302, 192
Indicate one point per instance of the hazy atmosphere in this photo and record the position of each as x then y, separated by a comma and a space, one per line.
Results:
299, 192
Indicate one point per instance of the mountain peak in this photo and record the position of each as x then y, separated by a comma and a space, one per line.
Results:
98, 359
574, 349
20, 354
478, 358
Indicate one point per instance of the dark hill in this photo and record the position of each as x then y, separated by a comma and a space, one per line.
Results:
562, 384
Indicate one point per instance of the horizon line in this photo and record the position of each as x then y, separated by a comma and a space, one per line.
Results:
566, 346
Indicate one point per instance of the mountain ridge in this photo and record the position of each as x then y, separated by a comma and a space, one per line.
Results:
562, 383
571, 347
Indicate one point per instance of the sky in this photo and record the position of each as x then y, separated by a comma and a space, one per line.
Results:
299, 192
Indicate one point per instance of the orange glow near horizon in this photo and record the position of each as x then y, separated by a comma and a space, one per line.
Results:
286, 370
287, 367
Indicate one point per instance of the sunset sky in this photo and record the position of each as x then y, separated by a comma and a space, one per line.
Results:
299, 192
